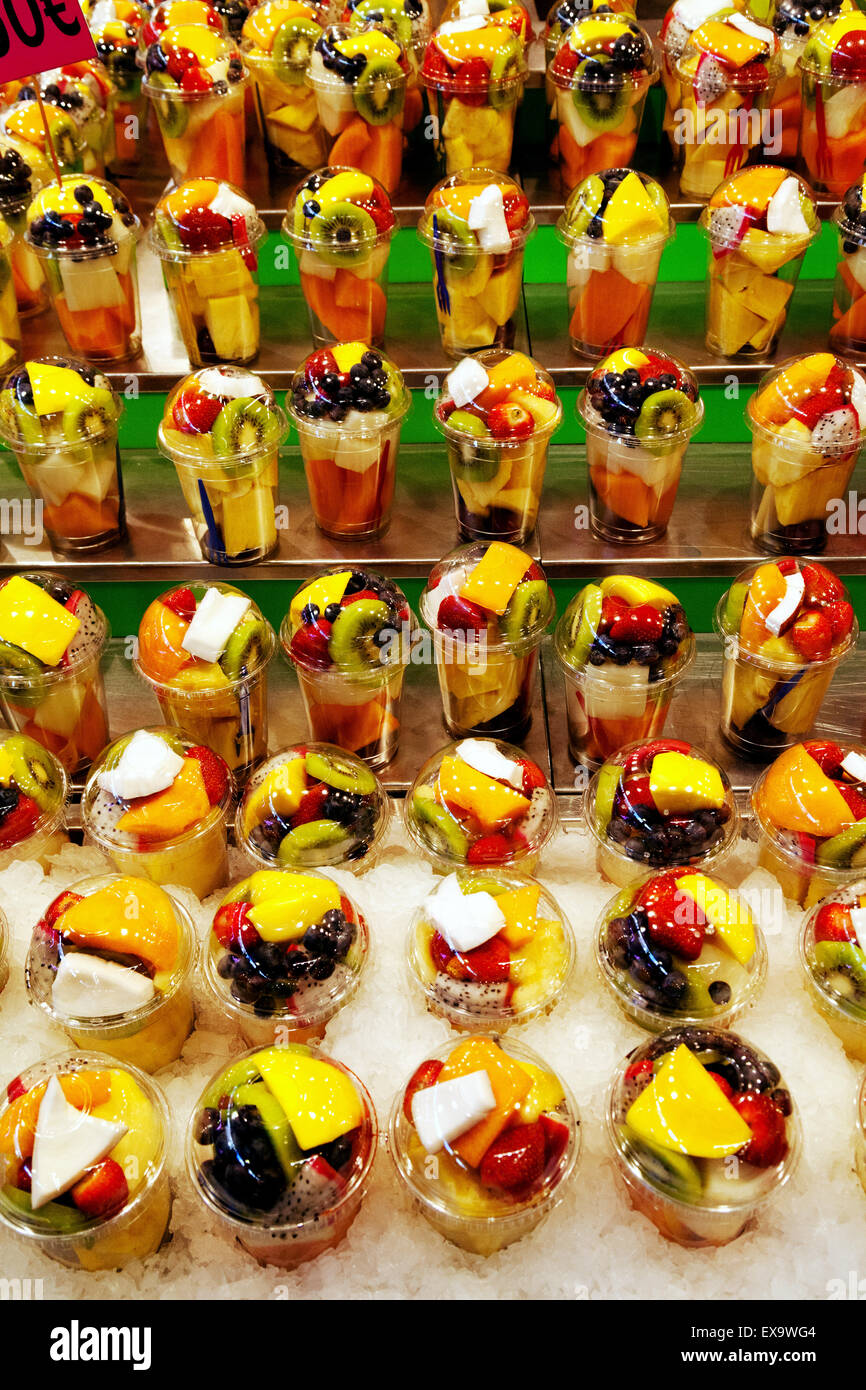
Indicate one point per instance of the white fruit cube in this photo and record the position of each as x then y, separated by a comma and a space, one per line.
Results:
67, 1143
466, 920
443, 1112
215, 620
87, 986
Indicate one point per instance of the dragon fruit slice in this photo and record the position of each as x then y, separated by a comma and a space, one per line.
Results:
728, 226
472, 995
316, 1189
86, 641
837, 432
710, 80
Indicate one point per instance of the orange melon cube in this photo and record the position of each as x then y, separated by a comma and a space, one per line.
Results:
519, 906
798, 795
130, 916
170, 812
492, 803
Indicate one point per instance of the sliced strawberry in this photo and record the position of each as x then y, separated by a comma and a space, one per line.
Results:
787, 564
722, 1082
487, 964
231, 924
516, 1158
196, 79
312, 805
369, 594
856, 800
841, 615
440, 952
102, 1191
20, 822
309, 646
214, 772
182, 602
472, 76
533, 777
459, 615
822, 585
769, 1142
490, 849
833, 923
674, 920
642, 623
422, 1077
812, 635
556, 1134
827, 754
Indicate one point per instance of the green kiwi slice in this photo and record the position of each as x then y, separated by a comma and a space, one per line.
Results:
89, 418
476, 463
528, 609
21, 674
244, 424
664, 413
605, 795
584, 624
172, 115
246, 649
33, 771
352, 642
315, 834
439, 828
505, 70
455, 240
293, 46
341, 233
600, 105
64, 137
676, 1173
379, 92
339, 772
591, 199
167, 231
19, 423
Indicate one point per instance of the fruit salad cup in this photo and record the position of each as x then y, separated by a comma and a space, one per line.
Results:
111, 961
83, 1148
833, 961
681, 948
23, 171
157, 805
59, 417
488, 949
279, 1150
488, 607
410, 21
207, 235
222, 430
624, 644
359, 80
473, 73
774, 680
848, 334
759, 225
702, 1131
680, 20
793, 21
833, 123
348, 404
640, 408
10, 327
476, 224
602, 71
33, 790
484, 1137
87, 105
285, 953
278, 41
727, 71
498, 411
204, 649
23, 122
310, 806
810, 816
348, 635
117, 47
660, 805
85, 234
170, 13
195, 80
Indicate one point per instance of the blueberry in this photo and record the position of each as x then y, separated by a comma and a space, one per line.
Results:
321, 968
720, 992
312, 208
309, 613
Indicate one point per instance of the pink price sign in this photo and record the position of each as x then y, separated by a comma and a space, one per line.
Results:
36, 35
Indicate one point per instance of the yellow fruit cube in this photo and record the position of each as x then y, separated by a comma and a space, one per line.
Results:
348, 355
494, 579
32, 619
546, 1094
630, 214
519, 906
729, 916
680, 783
280, 792
290, 904
510, 1082
491, 802
682, 1109
320, 1100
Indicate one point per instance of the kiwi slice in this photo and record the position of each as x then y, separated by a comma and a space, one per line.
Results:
505, 69
88, 418
600, 105
838, 851
591, 199
606, 789
33, 771
844, 956
167, 231
676, 1173
315, 834
338, 772
735, 604
456, 241
247, 647
341, 233
292, 49
21, 425
663, 414
243, 424
528, 608
584, 624
64, 137
379, 92
172, 115
22, 675
352, 643
439, 828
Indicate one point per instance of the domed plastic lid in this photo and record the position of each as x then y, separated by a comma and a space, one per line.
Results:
728, 49
349, 621
603, 51
115, 39
202, 215
488, 596
758, 203
618, 206
472, 55
850, 216
23, 121
188, 62
49, 629
84, 217
203, 638
788, 613
625, 620
409, 19
221, 413
339, 214
564, 14
280, 35
33, 789
172, 13
836, 50
832, 950
55, 401
494, 400
646, 393
23, 169
811, 803
464, 215
369, 56
814, 404
351, 387
677, 1128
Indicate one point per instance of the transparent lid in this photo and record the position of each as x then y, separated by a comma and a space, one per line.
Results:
83, 216
483, 1172
231, 642
494, 400
23, 169
619, 206
814, 404
836, 50
788, 613
515, 16
281, 36
832, 950
314, 1128
77, 1088
221, 413
55, 401
480, 802
850, 216
564, 14
728, 50
683, 1105
49, 629
340, 214
23, 122
370, 58
349, 621
312, 805
116, 46
234, 14
603, 51
287, 946
794, 20
409, 19
172, 13
350, 387
623, 621
760, 202
202, 215
486, 596
191, 61
662, 804
451, 209
811, 803
473, 55
109, 948
645, 393
33, 789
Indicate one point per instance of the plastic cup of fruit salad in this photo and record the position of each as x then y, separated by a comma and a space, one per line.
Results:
479, 803
137, 1010
23, 171
479, 1184
348, 634
277, 45
498, 412
90, 1140
310, 806
774, 680
33, 791
488, 606
222, 429
86, 97
348, 403
660, 805
640, 408
602, 70
833, 122
173, 831
476, 225
561, 17
759, 225
623, 645
794, 23
473, 74
200, 113
10, 326
23, 122
833, 962
410, 21
207, 235
90, 266
488, 949
210, 679
615, 225
810, 817
848, 333
681, 948
702, 1131
117, 43
727, 71
312, 1129
286, 952
359, 81
52, 638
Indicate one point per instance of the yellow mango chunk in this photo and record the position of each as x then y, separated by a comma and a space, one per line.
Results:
519, 907
510, 1081
280, 793
682, 1109
495, 577
491, 802
320, 1100
32, 619
728, 915
290, 903
329, 588
680, 783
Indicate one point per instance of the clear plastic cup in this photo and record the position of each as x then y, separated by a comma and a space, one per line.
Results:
303, 1221
411, 22
60, 1230
150, 1036
848, 333
28, 768
448, 1189
359, 80
28, 280
834, 966
700, 1201
10, 327
277, 44
202, 130
473, 74
833, 119
117, 47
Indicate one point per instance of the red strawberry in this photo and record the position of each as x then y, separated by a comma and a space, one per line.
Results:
637, 791
369, 594
194, 412
612, 608
856, 800
214, 771
674, 919
768, 1144
312, 805
435, 67
490, 849
55, 910
102, 1191
309, 646
472, 76
510, 421
638, 1069
182, 602
533, 777
231, 924
179, 59
319, 364
15, 1088
347, 909
833, 923
723, 1084
786, 565
488, 964
812, 635
822, 585
827, 754
20, 822
422, 1077
515, 1158
642, 623
841, 615
459, 615
555, 1138
806, 846
440, 952
195, 79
